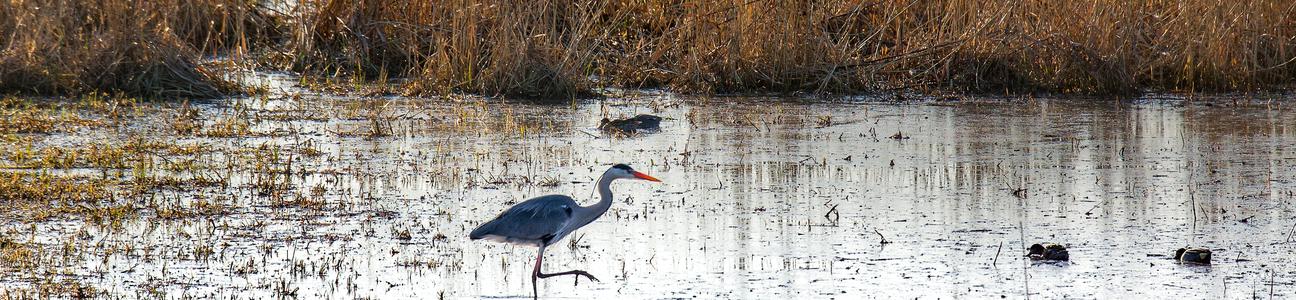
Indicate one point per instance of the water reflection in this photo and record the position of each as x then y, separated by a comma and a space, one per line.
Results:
1119, 183
763, 198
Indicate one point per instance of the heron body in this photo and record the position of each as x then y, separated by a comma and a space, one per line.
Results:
539, 221
545, 220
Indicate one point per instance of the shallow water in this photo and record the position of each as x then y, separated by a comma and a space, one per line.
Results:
762, 198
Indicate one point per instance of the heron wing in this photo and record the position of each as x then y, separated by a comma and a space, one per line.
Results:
533, 222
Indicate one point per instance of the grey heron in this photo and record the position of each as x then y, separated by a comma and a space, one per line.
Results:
545, 220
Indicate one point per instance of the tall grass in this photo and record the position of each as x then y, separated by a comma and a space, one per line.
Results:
558, 48
553, 47
148, 48
536, 48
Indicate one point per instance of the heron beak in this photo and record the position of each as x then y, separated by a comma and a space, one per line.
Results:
645, 177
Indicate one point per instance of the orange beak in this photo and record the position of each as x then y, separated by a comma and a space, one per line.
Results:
645, 177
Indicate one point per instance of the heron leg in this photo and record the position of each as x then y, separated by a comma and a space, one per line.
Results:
535, 289
537, 274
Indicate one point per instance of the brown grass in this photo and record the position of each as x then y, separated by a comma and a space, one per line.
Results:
560, 49
549, 48
506, 47
24, 188
149, 48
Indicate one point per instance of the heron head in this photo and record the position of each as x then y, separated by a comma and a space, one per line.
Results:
625, 172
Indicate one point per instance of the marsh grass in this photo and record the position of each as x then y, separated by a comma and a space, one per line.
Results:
146, 48
16, 188
560, 49
96, 157
550, 48
18, 116
107, 165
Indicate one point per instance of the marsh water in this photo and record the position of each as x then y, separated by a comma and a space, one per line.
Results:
762, 198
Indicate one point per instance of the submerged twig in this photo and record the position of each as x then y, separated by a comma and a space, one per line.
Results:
879, 233
1193, 198
1019, 193
574, 243
1021, 234
1090, 211
1289, 233
995, 263
833, 215
590, 134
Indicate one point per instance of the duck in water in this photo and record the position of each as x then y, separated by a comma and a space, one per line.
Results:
1048, 251
649, 123
1191, 255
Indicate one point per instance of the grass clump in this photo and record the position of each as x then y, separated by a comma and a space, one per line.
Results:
145, 48
14, 254
20, 187
20, 116
524, 48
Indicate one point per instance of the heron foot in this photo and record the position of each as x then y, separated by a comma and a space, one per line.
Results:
586, 274
574, 273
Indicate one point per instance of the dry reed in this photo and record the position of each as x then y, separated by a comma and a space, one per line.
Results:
557, 49
551, 48
149, 48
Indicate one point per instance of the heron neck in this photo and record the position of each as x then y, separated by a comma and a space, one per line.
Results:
595, 211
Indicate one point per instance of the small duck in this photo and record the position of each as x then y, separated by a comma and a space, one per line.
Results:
1193, 255
1048, 251
631, 125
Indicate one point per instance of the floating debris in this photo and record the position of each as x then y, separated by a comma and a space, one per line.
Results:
1048, 251
1191, 255
898, 136
647, 123
1020, 193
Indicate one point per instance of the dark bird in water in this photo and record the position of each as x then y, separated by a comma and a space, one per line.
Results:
545, 220
631, 125
1193, 255
1048, 251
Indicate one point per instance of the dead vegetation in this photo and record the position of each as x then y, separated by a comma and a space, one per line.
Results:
147, 48
559, 49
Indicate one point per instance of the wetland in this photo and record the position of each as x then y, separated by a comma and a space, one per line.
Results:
300, 194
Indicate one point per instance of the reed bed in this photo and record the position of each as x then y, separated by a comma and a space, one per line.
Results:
560, 49
149, 48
